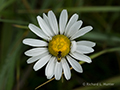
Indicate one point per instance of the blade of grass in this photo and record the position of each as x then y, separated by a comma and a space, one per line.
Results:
111, 38
5, 41
95, 9
7, 70
105, 51
12, 57
46, 3
80, 9
102, 52
20, 26
13, 21
5, 4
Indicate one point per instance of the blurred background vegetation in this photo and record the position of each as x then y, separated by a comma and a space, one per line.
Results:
103, 15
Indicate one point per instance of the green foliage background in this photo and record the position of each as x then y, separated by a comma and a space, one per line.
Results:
103, 15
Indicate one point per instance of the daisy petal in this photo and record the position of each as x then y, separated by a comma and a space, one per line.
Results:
63, 20
66, 69
47, 21
72, 20
53, 22
81, 32
39, 64
36, 51
35, 58
44, 26
34, 42
49, 70
74, 28
45, 18
76, 66
37, 31
58, 70
81, 57
73, 46
86, 43
84, 49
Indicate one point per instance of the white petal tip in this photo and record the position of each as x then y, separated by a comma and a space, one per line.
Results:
30, 25
26, 53
81, 72
94, 44
23, 41
49, 77
38, 16
50, 12
64, 10
92, 50
89, 62
35, 69
43, 14
28, 62
90, 27
76, 14
57, 78
68, 78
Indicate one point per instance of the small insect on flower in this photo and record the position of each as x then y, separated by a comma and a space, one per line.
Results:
58, 47
59, 56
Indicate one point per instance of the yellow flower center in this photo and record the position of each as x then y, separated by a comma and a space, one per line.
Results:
59, 46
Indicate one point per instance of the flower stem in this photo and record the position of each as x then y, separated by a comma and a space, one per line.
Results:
44, 83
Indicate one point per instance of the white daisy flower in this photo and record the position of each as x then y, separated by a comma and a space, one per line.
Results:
58, 47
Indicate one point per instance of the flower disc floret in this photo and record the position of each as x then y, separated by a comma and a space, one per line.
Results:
59, 43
